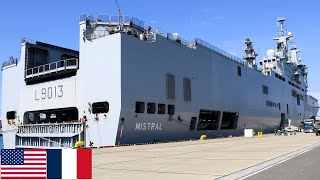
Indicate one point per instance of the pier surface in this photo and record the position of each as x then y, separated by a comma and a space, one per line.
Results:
226, 158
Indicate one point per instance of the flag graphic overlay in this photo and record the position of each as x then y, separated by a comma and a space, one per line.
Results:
69, 164
23, 164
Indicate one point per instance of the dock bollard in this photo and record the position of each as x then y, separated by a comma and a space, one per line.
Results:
79, 144
203, 137
260, 134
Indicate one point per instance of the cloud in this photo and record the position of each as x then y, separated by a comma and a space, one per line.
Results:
207, 18
218, 18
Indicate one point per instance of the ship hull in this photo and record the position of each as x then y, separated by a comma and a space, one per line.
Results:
213, 95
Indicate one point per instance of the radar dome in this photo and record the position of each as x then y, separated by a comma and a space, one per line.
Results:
290, 34
270, 53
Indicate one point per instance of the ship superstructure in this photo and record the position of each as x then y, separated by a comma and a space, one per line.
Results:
134, 84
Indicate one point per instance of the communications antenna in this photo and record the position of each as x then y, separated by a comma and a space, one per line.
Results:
119, 14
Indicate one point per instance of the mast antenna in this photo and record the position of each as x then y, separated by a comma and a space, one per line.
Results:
280, 22
119, 13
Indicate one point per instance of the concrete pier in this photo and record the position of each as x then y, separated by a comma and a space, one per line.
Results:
227, 158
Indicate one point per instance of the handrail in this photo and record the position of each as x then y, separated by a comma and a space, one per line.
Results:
11, 61
203, 43
113, 20
74, 122
175, 38
52, 67
127, 20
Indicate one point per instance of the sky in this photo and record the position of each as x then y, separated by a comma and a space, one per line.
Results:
224, 24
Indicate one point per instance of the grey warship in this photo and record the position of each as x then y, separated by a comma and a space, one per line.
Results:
130, 83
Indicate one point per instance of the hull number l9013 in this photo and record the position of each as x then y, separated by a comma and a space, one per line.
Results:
49, 93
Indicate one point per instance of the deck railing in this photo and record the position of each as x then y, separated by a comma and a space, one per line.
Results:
114, 20
203, 43
127, 20
11, 62
54, 67
52, 135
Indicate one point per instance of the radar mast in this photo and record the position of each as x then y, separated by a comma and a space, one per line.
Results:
280, 22
251, 55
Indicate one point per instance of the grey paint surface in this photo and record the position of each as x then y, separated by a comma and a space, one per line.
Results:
215, 86
122, 69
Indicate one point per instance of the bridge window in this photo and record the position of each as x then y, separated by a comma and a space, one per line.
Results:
100, 107
229, 120
140, 107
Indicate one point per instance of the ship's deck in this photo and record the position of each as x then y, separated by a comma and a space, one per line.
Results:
208, 159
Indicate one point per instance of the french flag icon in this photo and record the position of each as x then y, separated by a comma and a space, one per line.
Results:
69, 164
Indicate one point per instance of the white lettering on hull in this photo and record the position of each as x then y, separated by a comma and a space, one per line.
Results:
148, 127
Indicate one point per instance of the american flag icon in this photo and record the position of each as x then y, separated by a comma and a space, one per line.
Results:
23, 164
46, 164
